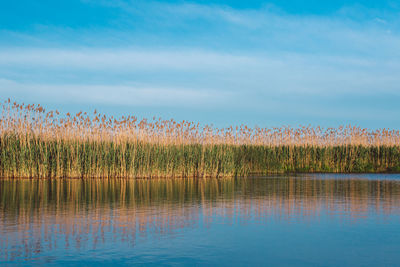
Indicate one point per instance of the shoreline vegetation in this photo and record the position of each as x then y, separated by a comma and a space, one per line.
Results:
35, 143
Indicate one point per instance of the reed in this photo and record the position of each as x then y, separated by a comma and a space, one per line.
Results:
45, 144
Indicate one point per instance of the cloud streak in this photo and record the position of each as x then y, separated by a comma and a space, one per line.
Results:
114, 95
285, 72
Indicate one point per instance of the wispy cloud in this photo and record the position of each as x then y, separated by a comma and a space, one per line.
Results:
124, 59
286, 72
114, 94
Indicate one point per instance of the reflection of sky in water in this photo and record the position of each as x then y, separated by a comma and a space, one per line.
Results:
360, 176
309, 220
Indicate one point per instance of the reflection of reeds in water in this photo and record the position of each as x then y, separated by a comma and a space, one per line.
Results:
37, 214
36, 143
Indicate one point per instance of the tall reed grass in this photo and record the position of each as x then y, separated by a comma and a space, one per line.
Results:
36, 143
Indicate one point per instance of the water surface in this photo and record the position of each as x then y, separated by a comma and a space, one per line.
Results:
307, 220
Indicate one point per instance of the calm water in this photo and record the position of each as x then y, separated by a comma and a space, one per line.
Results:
311, 220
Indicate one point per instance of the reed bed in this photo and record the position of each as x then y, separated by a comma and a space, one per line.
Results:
46, 144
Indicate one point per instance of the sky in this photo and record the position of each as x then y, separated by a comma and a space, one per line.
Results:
259, 63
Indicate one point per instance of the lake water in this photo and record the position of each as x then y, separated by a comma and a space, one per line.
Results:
304, 220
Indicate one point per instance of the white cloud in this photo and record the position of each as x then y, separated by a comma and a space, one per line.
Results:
113, 94
123, 59
258, 73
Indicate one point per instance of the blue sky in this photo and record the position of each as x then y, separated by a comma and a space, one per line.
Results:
260, 63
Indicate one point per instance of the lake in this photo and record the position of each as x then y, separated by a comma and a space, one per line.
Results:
302, 220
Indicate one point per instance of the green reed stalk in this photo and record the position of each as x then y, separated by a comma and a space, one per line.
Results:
48, 158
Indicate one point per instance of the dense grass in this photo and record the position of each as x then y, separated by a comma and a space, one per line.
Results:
50, 158
37, 144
